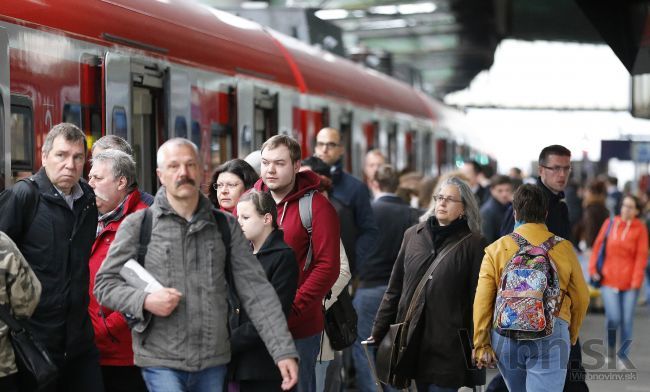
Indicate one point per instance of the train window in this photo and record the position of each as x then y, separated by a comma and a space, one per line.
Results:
180, 127
22, 134
72, 114
119, 122
196, 134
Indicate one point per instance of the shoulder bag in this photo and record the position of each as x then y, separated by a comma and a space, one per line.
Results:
35, 367
393, 345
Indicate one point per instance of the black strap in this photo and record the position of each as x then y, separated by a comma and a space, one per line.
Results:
222, 224
9, 319
428, 274
31, 204
145, 235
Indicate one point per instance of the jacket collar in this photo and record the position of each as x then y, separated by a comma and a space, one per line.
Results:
391, 198
305, 181
203, 212
552, 197
130, 205
47, 189
274, 242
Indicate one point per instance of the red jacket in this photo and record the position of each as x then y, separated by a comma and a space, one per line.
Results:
306, 318
112, 334
626, 254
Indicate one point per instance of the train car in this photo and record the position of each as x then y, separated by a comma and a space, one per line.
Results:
149, 70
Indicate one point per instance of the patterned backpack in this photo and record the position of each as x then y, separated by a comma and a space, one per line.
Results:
529, 296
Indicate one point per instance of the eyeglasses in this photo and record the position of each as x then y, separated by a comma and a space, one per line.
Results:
220, 185
329, 145
558, 169
448, 199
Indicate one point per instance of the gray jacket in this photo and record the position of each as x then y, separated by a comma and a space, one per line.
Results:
190, 257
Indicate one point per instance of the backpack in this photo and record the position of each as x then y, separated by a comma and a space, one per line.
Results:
529, 296
340, 318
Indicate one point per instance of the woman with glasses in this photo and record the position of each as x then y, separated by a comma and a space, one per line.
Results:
448, 240
229, 181
621, 272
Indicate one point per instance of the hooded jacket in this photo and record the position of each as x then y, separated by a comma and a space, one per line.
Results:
306, 317
626, 254
112, 334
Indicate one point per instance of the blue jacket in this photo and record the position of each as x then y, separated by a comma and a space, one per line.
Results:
354, 194
492, 214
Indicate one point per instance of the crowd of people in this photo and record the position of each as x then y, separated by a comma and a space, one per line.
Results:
239, 278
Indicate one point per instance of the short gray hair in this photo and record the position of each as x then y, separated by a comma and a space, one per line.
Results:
70, 133
472, 214
113, 142
177, 141
122, 165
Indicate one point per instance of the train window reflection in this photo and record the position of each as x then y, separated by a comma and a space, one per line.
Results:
180, 127
119, 122
72, 114
196, 134
22, 135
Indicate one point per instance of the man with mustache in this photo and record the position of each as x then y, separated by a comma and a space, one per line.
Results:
181, 338
112, 177
52, 218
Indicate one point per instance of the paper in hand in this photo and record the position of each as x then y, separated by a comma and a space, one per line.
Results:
136, 276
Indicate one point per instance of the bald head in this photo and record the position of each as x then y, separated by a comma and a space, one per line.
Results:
328, 145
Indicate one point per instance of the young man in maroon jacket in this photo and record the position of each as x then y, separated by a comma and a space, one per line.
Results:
280, 175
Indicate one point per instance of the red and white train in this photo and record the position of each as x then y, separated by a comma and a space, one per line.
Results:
148, 70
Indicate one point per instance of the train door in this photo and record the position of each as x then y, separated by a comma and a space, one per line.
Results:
178, 97
5, 101
134, 99
392, 143
245, 118
346, 127
265, 122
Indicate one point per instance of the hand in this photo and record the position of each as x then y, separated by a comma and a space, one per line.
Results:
370, 341
289, 370
162, 302
595, 277
487, 358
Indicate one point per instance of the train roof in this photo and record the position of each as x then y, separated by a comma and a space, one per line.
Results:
195, 34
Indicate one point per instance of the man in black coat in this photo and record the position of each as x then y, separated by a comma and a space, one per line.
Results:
394, 216
52, 217
554, 170
494, 210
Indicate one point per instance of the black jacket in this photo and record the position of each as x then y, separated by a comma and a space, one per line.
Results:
56, 244
438, 352
492, 214
393, 215
557, 219
250, 358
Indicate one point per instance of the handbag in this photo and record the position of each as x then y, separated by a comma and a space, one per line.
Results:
596, 281
341, 322
394, 344
35, 367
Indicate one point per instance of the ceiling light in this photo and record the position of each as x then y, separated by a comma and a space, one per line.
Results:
384, 9
331, 14
384, 24
416, 8
254, 5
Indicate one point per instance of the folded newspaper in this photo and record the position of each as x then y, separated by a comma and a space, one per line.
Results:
136, 276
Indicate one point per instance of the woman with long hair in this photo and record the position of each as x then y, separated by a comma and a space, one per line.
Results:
449, 242
621, 272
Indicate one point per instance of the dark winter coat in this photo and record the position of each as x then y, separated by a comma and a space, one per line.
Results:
56, 244
435, 354
250, 358
394, 216
492, 214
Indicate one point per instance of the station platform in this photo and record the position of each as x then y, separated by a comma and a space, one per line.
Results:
599, 377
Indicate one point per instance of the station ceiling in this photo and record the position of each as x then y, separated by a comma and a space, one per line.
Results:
450, 41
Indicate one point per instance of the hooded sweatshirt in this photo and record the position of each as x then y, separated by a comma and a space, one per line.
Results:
306, 318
